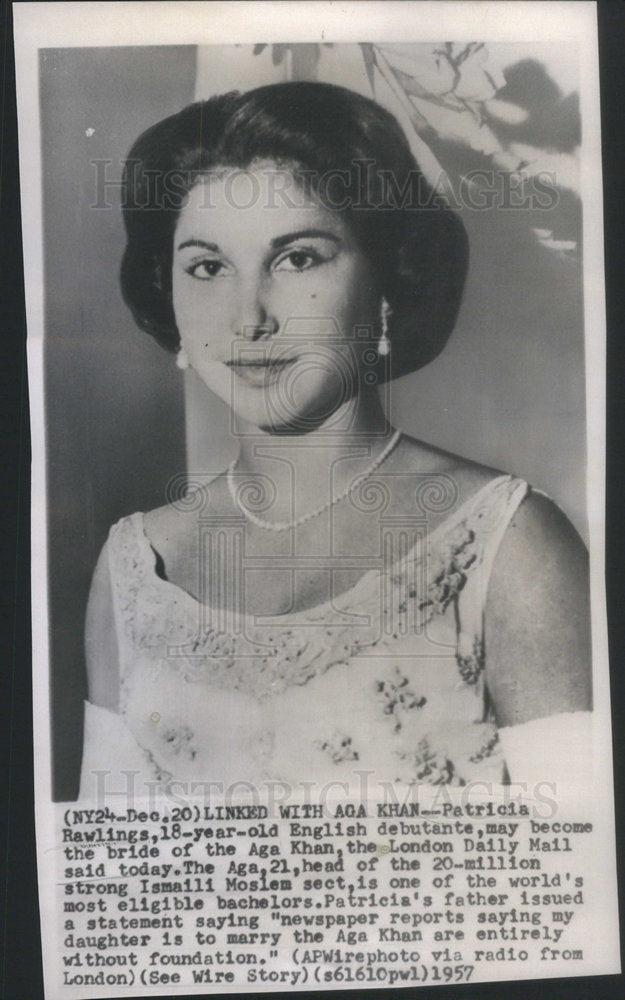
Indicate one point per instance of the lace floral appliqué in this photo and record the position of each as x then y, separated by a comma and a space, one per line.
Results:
455, 557
339, 748
179, 740
471, 664
431, 766
398, 697
487, 750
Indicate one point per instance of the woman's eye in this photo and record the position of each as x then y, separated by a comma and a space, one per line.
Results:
297, 260
205, 269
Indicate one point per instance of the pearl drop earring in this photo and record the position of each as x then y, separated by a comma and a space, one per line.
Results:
384, 344
182, 359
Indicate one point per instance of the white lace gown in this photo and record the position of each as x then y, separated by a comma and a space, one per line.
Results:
385, 683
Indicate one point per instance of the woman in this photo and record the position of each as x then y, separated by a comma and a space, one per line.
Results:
343, 600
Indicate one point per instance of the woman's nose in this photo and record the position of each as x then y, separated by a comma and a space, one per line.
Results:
252, 319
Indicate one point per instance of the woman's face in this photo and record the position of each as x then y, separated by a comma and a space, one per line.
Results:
274, 301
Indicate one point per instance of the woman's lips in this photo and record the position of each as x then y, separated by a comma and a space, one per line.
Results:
261, 372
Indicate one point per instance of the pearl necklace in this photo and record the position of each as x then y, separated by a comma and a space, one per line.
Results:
286, 525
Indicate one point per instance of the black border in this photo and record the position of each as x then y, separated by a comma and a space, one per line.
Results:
20, 951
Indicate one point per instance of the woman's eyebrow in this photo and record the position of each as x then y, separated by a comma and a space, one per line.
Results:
325, 234
276, 243
199, 243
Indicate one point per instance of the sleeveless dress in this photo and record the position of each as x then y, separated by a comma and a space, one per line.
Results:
383, 683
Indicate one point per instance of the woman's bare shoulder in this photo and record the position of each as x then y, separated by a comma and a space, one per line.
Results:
538, 617
171, 524
540, 537
166, 523
463, 476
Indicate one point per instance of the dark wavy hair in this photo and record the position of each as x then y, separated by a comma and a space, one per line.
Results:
331, 138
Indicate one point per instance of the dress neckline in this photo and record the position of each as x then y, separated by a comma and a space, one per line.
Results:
151, 558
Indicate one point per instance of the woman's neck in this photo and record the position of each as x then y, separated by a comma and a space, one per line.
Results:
308, 469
